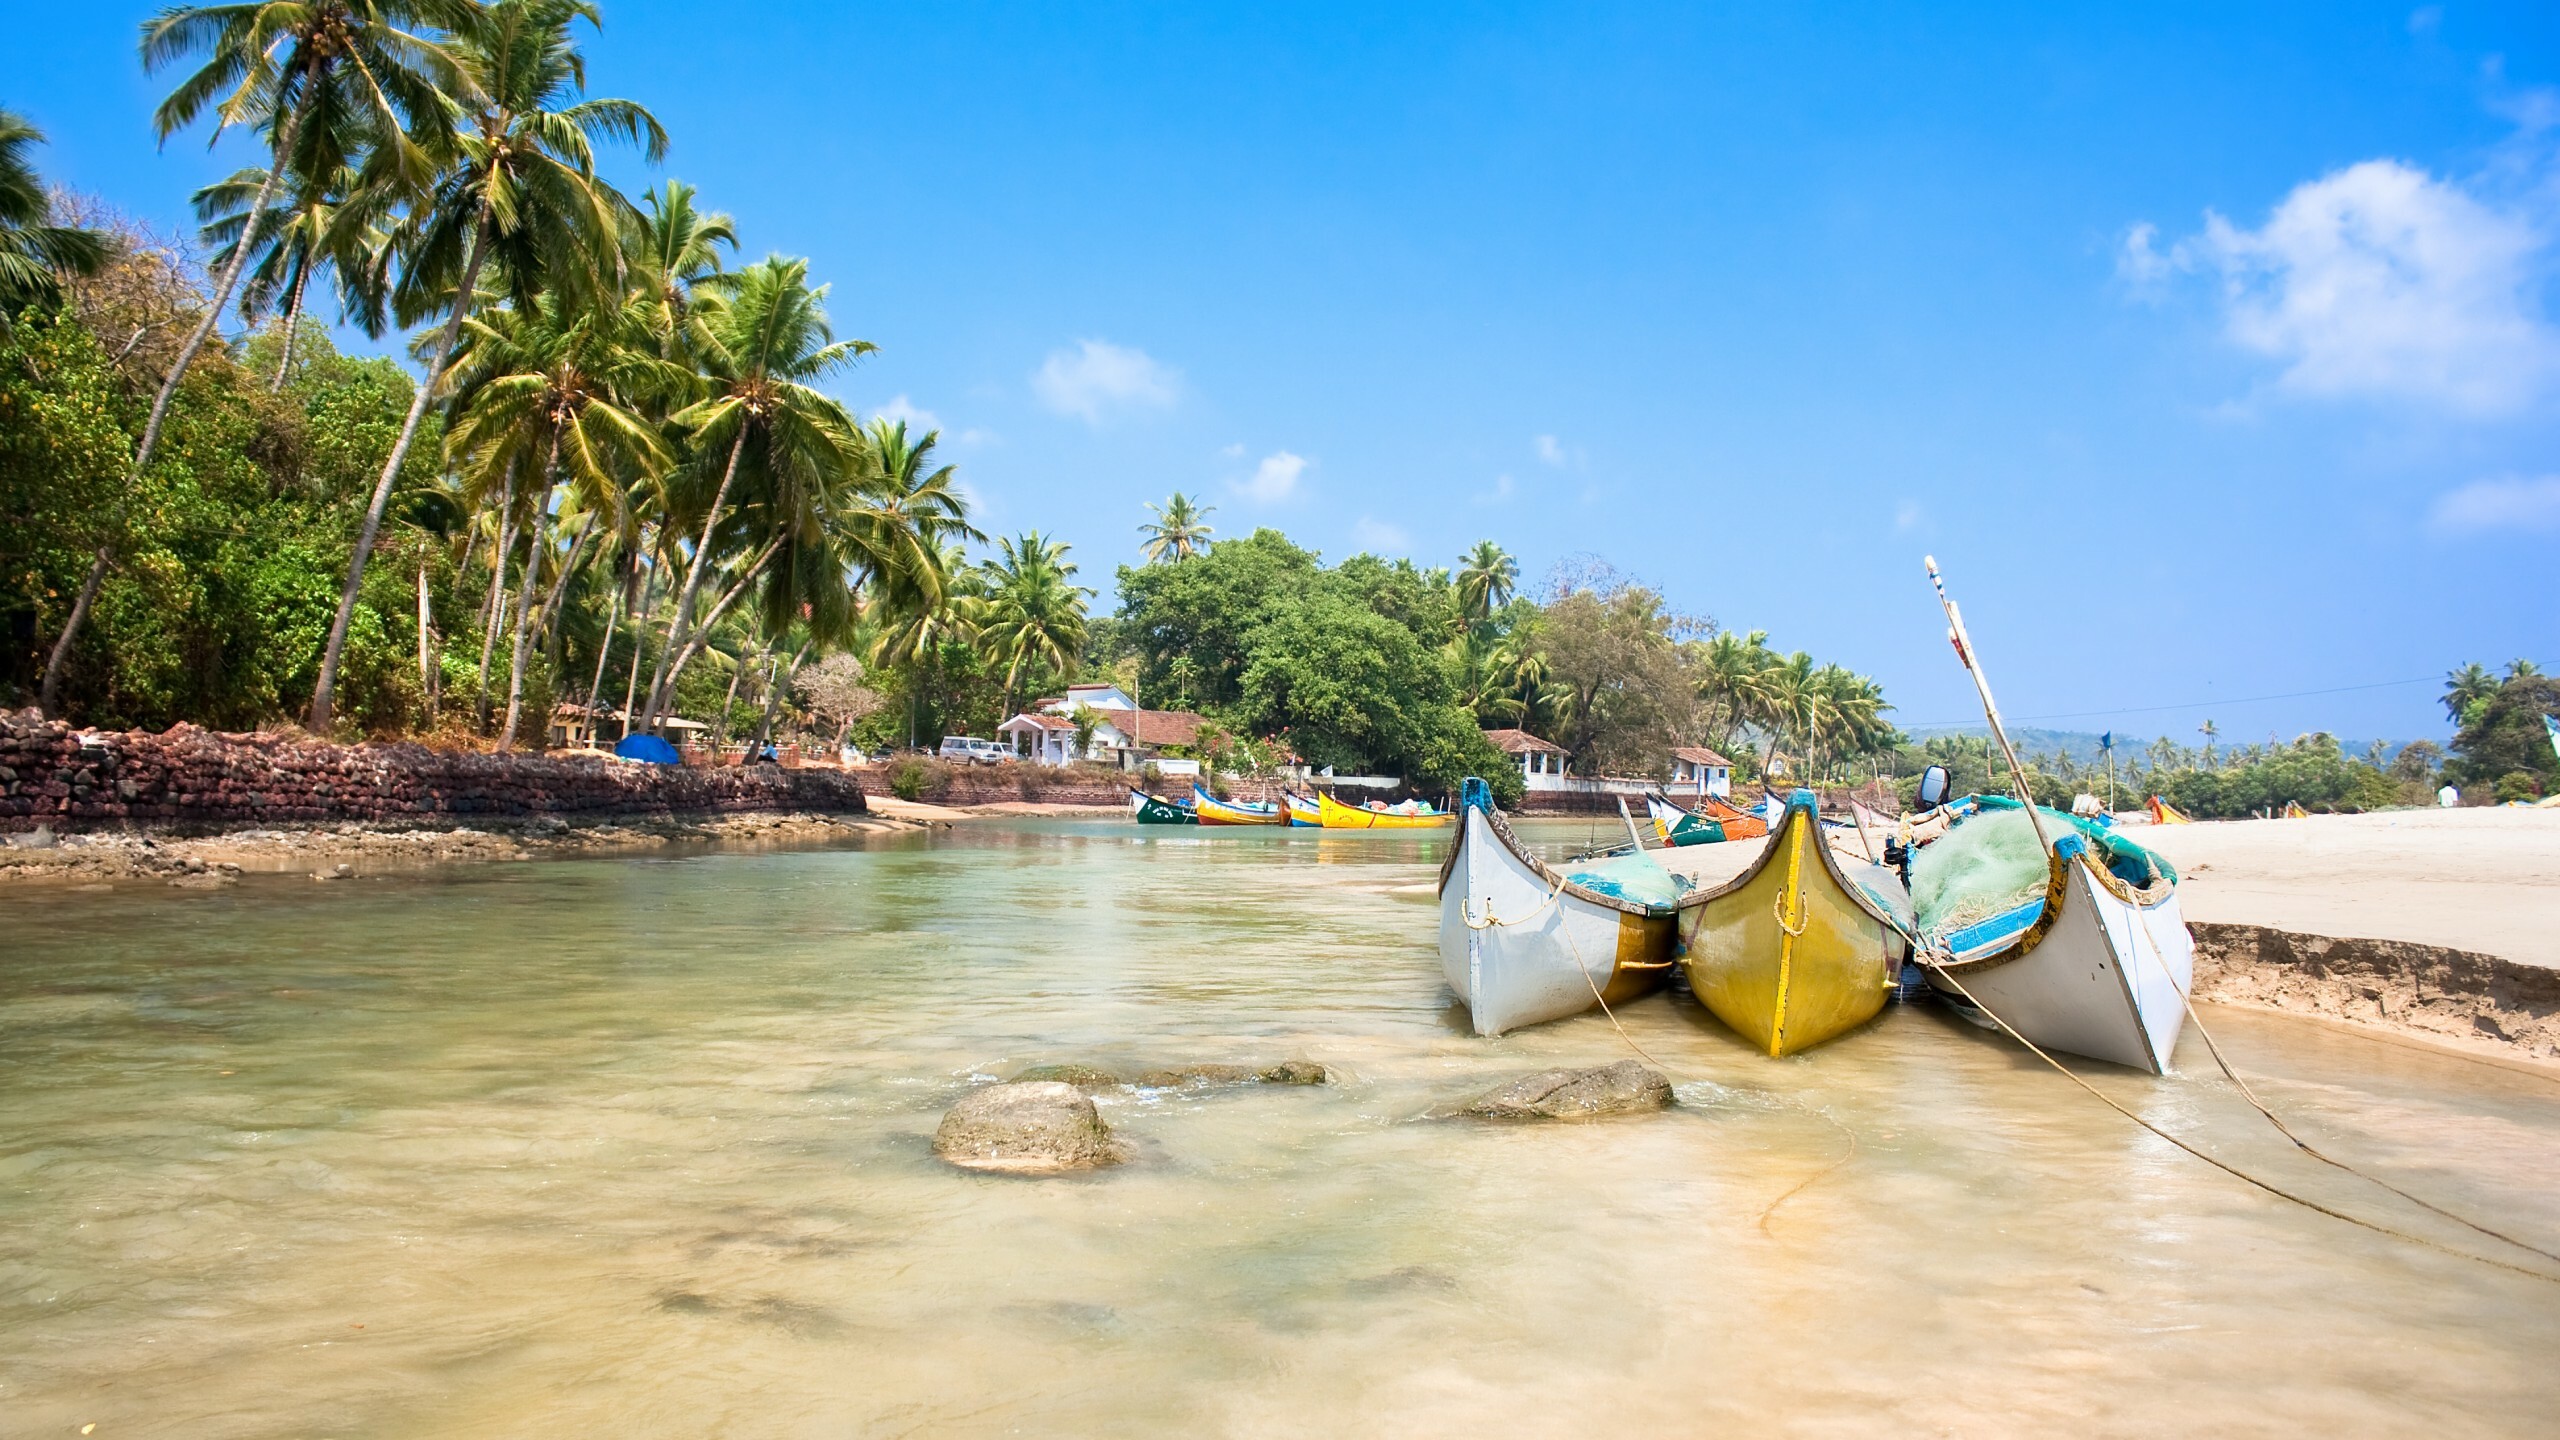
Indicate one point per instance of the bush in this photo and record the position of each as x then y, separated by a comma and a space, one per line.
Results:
2519, 785
912, 777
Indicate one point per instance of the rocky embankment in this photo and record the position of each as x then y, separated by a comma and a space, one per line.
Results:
55, 776
2426, 990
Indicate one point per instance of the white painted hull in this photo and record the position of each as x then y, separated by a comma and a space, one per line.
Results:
2107, 980
1533, 952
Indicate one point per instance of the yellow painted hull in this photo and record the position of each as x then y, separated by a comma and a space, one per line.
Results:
1214, 811
1784, 953
1338, 816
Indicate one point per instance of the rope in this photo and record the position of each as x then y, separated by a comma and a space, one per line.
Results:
1585, 972
1807, 1182
2224, 1166
2307, 1148
1466, 911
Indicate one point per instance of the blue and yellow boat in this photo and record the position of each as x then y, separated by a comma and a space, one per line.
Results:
1214, 811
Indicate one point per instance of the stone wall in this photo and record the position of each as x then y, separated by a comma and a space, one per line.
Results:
51, 774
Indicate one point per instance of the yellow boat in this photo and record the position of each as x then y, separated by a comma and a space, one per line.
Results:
1802, 946
1338, 816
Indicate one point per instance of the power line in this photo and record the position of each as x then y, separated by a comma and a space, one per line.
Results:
2193, 704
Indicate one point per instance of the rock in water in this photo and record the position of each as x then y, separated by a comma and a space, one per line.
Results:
1174, 1077
1027, 1127
1296, 1072
1620, 1089
1083, 1077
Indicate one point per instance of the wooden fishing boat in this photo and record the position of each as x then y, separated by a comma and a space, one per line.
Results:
1153, 810
1800, 947
1523, 942
1337, 816
1713, 822
2098, 965
1214, 811
1303, 811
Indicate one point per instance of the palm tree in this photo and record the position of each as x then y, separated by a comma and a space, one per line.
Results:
323, 75
2209, 730
1033, 615
670, 252
522, 191
1732, 671
331, 223
556, 397
34, 252
1178, 531
1487, 575
2466, 687
769, 342
2522, 670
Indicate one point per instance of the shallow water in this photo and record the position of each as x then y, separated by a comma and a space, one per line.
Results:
640, 1147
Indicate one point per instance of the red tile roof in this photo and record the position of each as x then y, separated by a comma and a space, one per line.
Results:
1700, 755
1521, 742
1158, 727
1045, 722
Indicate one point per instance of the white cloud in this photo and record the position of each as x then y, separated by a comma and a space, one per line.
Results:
1379, 537
1906, 517
901, 408
1232, 452
2510, 503
2378, 281
1275, 479
1095, 379
1503, 486
1553, 452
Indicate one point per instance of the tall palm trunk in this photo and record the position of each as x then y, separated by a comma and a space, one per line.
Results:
500, 546
693, 572
728, 706
701, 637
604, 650
292, 313
524, 600
426, 690
639, 648
322, 694
49, 697
773, 698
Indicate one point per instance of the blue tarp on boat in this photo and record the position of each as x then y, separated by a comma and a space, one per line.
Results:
650, 748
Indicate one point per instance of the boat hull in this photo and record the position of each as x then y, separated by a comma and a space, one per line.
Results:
1790, 953
1214, 811
1338, 816
1521, 947
1150, 810
1303, 813
2107, 978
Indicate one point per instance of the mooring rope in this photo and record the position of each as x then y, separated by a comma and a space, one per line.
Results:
2187, 999
2228, 1168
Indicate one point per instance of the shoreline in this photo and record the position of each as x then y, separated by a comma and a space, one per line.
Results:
332, 852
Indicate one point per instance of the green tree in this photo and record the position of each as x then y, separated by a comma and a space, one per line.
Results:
1486, 577
522, 190
1178, 532
769, 343
2471, 685
1033, 615
34, 252
2503, 734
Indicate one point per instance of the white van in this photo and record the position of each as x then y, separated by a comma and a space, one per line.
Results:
970, 750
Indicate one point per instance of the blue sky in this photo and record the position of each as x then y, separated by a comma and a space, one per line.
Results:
2208, 347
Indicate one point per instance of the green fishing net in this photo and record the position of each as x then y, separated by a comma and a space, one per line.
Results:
1992, 863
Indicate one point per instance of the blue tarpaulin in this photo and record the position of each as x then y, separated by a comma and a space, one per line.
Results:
650, 748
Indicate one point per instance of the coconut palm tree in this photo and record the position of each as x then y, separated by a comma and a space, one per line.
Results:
1732, 671
2466, 687
34, 252
2210, 731
522, 192
670, 251
323, 79
768, 344
1487, 575
332, 223
1178, 532
557, 397
1034, 616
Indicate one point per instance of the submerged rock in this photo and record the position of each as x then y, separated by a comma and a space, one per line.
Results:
1083, 1077
1621, 1089
1176, 1076
1296, 1072
1026, 1127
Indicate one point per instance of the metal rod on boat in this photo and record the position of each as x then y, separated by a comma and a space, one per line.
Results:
1990, 709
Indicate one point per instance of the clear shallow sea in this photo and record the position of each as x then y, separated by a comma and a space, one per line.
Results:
640, 1147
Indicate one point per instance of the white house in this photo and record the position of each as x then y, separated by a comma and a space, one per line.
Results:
1045, 734
1701, 771
1541, 762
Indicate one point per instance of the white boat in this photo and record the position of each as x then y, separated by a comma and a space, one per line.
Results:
2098, 965
1523, 942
